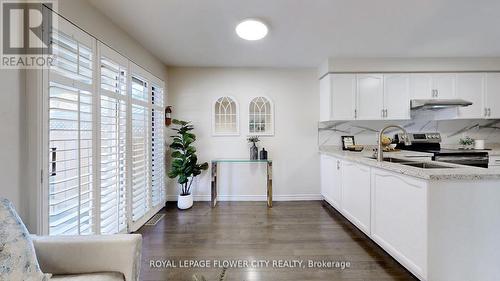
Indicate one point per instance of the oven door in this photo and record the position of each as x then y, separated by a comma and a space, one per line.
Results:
469, 160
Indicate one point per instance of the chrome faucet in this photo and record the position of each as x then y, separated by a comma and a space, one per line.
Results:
405, 137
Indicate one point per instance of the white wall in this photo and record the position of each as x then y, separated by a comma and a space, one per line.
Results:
293, 148
85, 16
12, 138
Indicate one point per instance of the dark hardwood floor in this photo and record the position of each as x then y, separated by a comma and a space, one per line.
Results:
250, 231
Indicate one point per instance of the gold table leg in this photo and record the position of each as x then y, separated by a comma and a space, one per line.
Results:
269, 184
213, 193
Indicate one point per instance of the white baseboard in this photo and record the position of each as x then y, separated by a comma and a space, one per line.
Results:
285, 197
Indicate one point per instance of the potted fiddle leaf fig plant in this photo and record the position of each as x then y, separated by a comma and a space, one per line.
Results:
184, 166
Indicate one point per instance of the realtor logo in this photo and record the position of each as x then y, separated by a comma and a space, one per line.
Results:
26, 28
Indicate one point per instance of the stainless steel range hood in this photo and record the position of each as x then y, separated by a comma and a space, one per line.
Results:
434, 104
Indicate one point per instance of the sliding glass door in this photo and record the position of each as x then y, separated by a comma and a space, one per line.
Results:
104, 138
147, 146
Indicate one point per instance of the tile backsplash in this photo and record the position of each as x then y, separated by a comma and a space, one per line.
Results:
366, 132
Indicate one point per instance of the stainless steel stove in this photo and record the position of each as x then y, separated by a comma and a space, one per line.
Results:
431, 143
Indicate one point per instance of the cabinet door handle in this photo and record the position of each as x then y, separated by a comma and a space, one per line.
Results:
386, 113
338, 164
355, 113
485, 111
382, 113
434, 93
489, 111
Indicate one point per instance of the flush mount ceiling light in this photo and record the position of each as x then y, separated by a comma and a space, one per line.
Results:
251, 29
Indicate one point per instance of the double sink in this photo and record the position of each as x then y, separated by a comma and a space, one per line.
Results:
421, 165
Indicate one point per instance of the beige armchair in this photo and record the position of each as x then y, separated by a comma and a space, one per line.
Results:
97, 257
67, 258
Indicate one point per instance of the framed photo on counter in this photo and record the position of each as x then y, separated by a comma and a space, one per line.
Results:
347, 141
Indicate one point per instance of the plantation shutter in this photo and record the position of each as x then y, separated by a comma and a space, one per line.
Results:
103, 136
113, 141
71, 132
141, 176
158, 146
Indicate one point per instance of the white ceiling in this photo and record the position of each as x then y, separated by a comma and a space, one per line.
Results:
303, 33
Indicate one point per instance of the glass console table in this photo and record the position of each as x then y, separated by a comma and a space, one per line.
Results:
269, 178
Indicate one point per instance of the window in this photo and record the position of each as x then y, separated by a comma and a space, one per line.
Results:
261, 117
103, 139
225, 120
71, 130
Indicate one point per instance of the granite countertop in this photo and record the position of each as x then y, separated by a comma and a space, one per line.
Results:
459, 173
495, 149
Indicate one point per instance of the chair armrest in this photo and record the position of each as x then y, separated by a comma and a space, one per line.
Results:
88, 254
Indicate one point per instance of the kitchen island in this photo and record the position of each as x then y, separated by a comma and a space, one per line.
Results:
440, 223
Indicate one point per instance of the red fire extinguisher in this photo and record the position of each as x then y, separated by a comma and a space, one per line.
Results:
168, 116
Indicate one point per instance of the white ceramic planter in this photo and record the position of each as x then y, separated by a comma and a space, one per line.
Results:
185, 202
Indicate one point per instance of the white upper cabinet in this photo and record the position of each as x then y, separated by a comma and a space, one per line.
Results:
421, 86
343, 96
471, 87
325, 102
492, 96
443, 85
383, 96
396, 96
370, 97
432, 85
337, 97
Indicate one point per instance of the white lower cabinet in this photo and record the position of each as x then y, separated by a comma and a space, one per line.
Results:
440, 230
331, 179
356, 194
399, 218
389, 207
